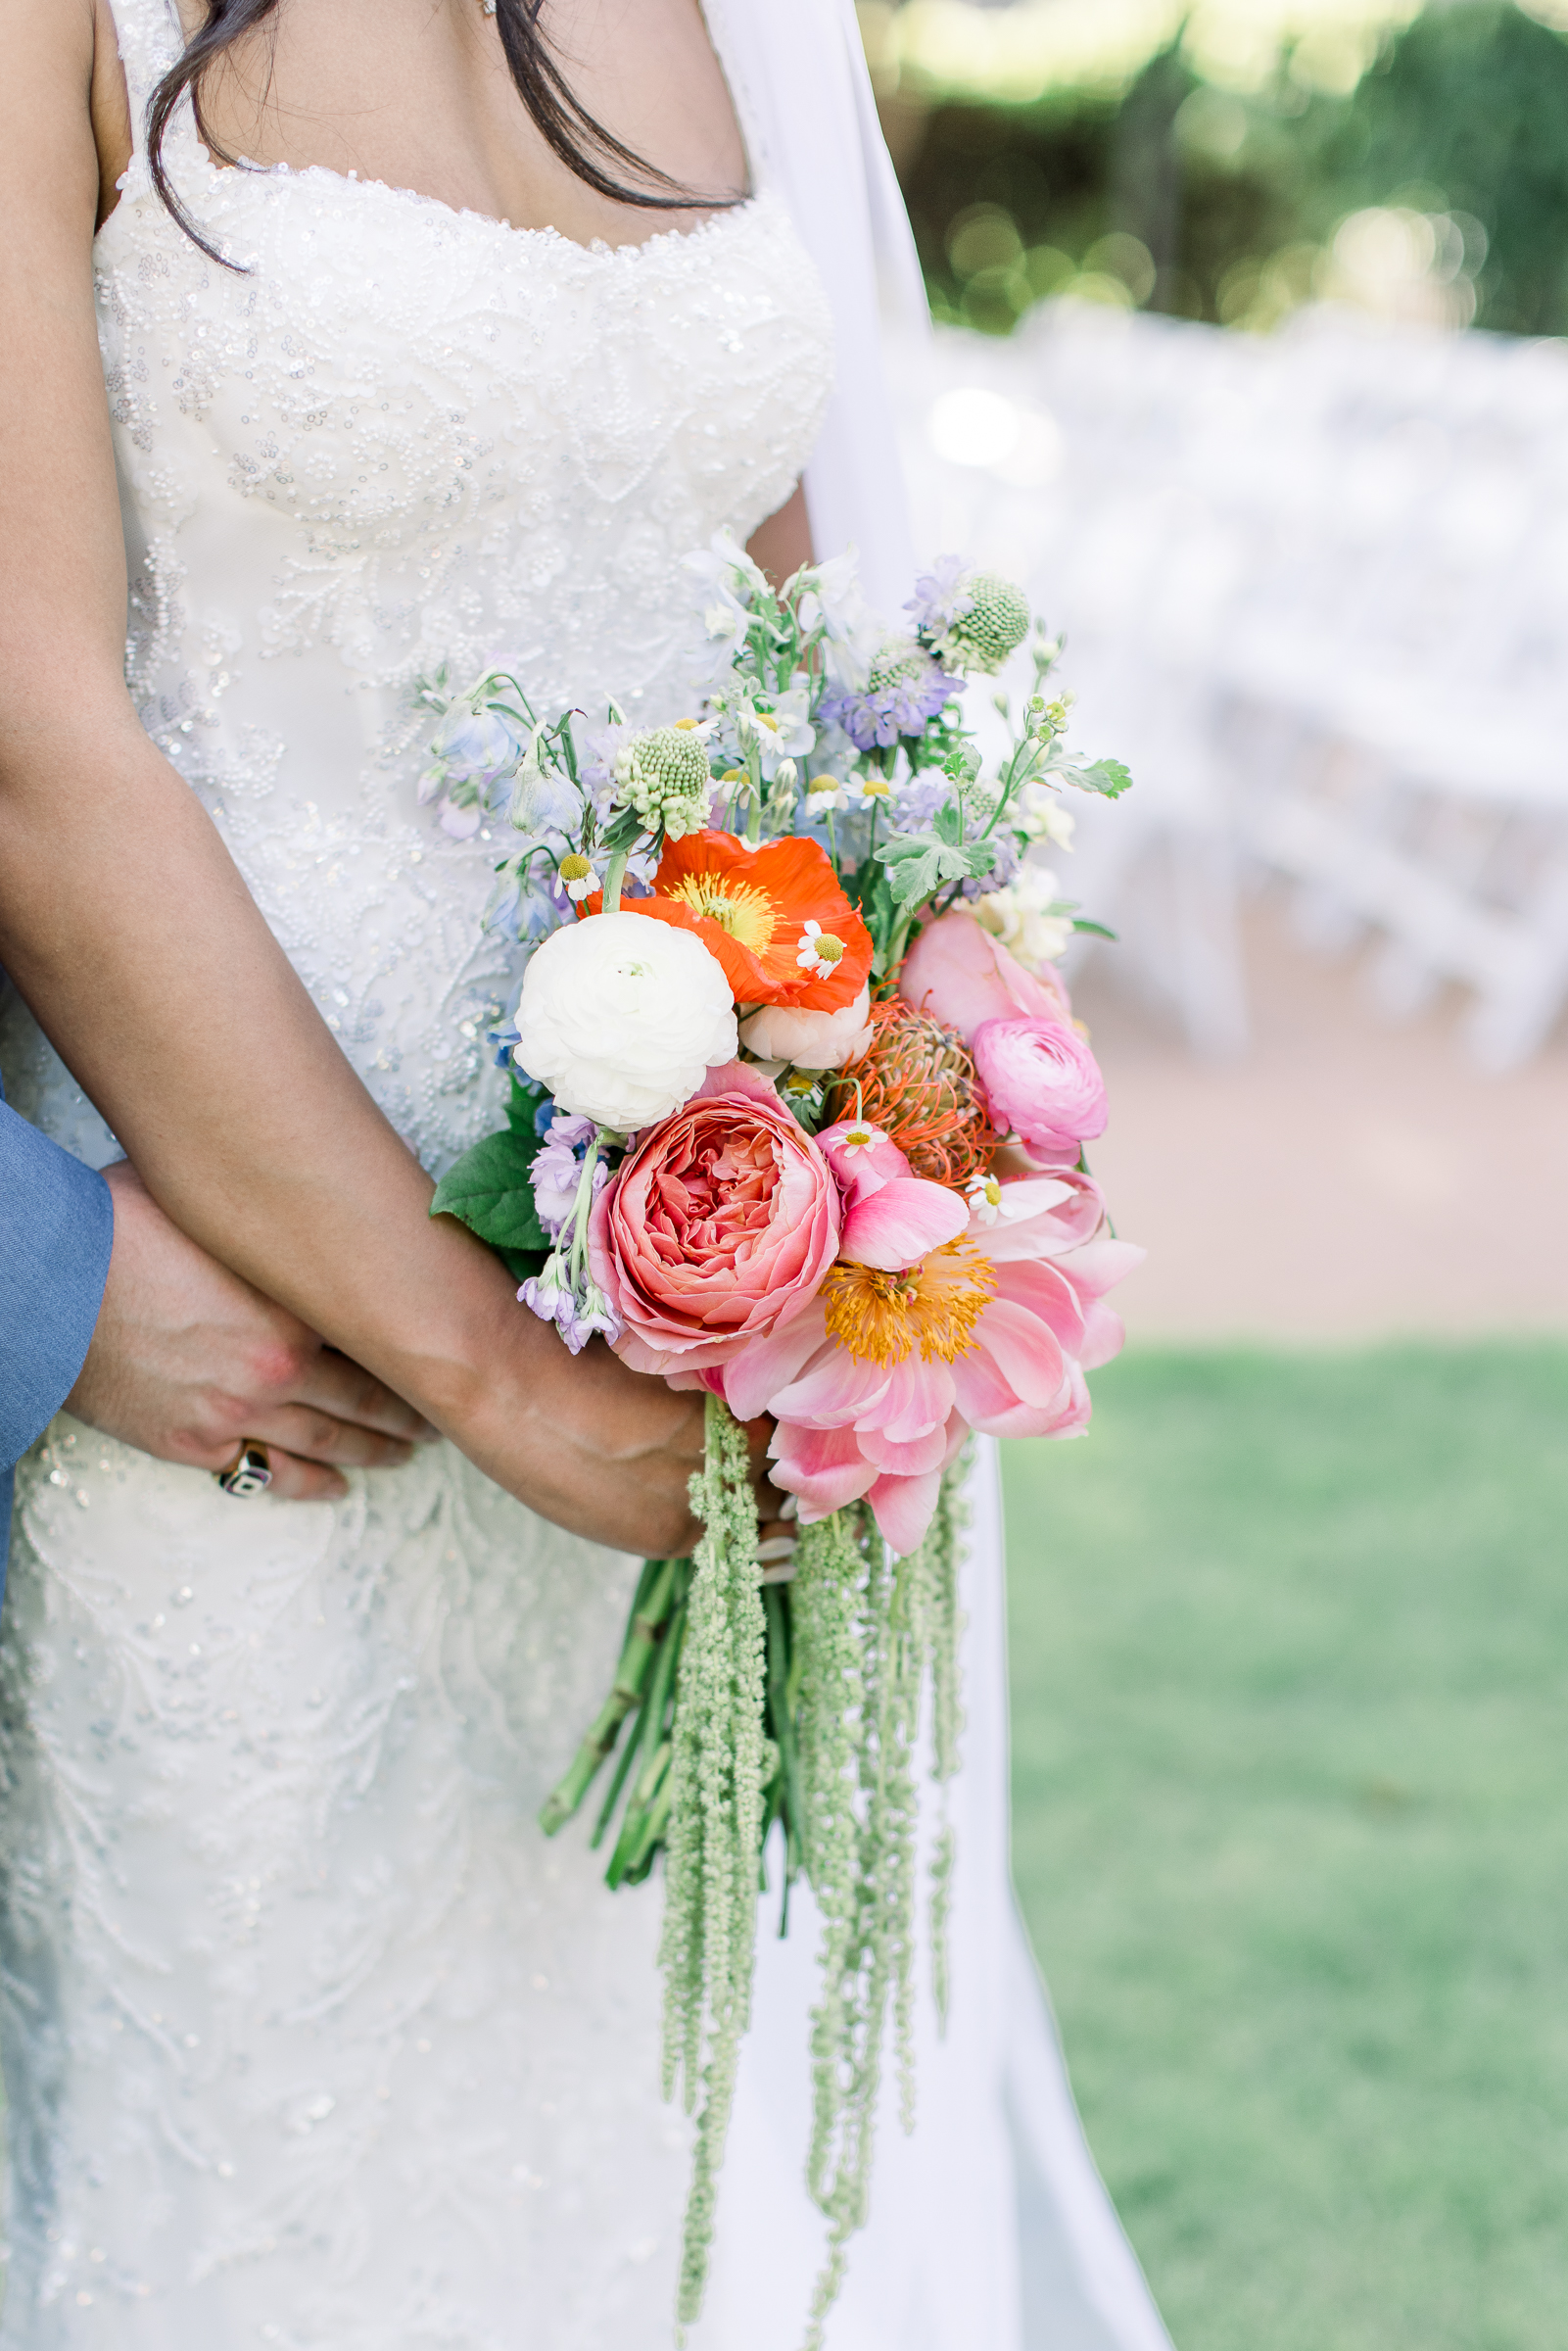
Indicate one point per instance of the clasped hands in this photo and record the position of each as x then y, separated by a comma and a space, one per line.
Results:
188, 1361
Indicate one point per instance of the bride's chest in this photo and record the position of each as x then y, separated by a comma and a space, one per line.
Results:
383, 370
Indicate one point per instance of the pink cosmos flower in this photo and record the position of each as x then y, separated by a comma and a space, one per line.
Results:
1041, 1081
718, 1227
962, 976
875, 1384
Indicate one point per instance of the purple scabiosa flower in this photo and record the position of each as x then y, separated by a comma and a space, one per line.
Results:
904, 687
940, 596
1003, 869
917, 801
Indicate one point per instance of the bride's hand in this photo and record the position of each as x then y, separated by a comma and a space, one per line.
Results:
188, 1361
605, 1452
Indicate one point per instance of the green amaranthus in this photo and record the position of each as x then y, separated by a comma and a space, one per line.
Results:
739, 1706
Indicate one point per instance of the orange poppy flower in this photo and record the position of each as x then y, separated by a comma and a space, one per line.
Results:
775, 917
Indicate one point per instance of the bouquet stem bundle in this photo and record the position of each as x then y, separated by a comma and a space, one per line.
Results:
745, 1707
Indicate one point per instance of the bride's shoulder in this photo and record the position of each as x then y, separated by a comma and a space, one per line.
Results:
65, 112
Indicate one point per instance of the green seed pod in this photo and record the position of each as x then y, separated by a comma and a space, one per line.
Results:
663, 773
993, 628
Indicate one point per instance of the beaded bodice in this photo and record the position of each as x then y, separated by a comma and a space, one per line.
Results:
402, 437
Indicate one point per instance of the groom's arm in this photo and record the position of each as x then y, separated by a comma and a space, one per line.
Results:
106, 1306
57, 1229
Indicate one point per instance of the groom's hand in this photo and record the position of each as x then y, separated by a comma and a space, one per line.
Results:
188, 1361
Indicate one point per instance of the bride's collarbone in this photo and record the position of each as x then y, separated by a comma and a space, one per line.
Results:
420, 98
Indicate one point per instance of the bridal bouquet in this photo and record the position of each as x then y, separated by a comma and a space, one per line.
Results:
798, 1118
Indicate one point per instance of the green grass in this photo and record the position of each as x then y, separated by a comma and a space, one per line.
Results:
1290, 1675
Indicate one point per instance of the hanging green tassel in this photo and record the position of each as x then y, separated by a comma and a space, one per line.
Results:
722, 1760
799, 1704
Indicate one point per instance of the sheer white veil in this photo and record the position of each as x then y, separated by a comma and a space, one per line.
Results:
797, 73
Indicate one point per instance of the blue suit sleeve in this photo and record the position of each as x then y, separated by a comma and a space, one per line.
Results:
57, 1228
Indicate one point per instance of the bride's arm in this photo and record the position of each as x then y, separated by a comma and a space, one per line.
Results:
129, 932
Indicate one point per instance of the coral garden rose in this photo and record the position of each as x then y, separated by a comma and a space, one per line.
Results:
622, 1023
751, 908
962, 976
812, 1041
1041, 1081
717, 1230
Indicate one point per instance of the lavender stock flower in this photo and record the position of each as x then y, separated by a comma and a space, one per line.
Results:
557, 1169
549, 1296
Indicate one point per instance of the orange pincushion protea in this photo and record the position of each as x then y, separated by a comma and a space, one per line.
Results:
917, 1083
775, 917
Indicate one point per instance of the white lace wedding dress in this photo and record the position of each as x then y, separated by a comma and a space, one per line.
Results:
311, 2039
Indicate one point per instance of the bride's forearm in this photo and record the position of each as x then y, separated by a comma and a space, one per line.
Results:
128, 930
126, 927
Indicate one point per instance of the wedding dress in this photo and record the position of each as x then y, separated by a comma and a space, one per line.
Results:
310, 2039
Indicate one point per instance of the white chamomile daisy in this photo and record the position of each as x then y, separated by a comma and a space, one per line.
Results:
820, 953
986, 1200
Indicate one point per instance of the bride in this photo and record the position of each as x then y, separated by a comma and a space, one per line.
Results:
432, 331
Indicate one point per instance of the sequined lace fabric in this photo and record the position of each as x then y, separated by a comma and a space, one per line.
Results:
311, 2039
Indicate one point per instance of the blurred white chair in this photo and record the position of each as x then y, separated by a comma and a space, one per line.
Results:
1317, 590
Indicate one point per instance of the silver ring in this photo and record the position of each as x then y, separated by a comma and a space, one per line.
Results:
249, 1473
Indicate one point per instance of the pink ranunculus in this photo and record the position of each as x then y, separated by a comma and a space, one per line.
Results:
1041, 1081
717, 1230
883, 1423
962, 976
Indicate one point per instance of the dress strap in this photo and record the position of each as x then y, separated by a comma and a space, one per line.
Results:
150, 40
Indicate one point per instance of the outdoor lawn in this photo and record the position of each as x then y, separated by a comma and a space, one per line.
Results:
1289, 1672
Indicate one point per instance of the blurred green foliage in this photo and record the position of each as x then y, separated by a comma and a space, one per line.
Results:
1228, 204
1290, 1669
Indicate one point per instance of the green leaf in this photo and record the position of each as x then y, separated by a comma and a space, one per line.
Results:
523, 1106
523, 1263
625, 832
1107, 777
1096, 929
916, 877
490, 1192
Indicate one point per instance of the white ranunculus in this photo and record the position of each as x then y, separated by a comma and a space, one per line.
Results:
812, 1041
621, 1017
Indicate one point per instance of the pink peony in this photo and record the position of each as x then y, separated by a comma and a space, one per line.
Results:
717, 1230
877, 1383
1041, 1081
890, 1217
963, 977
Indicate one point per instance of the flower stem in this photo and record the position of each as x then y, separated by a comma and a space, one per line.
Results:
644, 1639
612, 883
